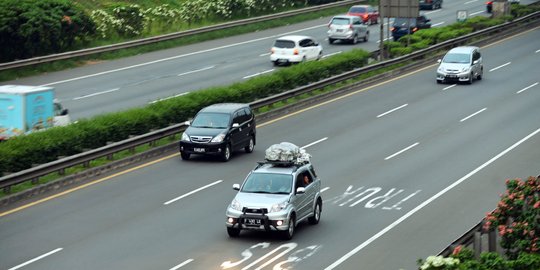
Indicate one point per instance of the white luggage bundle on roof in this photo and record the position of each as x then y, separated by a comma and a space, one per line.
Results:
286, 153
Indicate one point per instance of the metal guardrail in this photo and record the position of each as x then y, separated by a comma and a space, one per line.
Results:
476, 238
84, 158
150, 40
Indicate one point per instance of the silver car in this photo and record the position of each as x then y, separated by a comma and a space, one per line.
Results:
461, 64
275, 196
347, 28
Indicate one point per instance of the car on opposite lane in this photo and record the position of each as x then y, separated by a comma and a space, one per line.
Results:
347, 28
367, 13
461, 64
295, 49
430, 4
405, 26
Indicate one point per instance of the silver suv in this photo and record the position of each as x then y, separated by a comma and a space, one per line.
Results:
461, 64
347, 28
275, 196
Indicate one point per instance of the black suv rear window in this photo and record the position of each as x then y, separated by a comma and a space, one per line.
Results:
286, 44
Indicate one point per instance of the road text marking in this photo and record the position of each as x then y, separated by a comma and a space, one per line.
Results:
192, 192
36, 259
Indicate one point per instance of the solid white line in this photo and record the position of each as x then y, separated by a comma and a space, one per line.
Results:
98, 93
197, 70
392, 110
315, 142
425, 203
330, 54
182, 264
162, 99
35, 259
464, 119
407, 148
527, 88
257, 74
192, 192
476, 13
448, 87
503, 65
180, 56
437, 24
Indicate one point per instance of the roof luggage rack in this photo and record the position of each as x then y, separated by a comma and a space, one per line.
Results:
285, 155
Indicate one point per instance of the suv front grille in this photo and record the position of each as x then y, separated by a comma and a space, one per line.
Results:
201, 139
259, 211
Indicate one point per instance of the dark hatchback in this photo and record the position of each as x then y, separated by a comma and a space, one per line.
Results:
220, 129
404, 26
430, 4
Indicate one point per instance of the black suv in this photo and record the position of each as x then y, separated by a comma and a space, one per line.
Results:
404, 26
220, 129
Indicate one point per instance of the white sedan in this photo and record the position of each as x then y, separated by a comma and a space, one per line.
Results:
295, 49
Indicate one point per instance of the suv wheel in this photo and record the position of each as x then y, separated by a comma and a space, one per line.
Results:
233, 232
366, 37
226, 153
185, 156
471, 76
289, 233
330, 40
316, 214
355, 39
250, 146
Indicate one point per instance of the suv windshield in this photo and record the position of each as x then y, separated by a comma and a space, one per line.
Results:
287, 44
461, 58
268, 183
211, 120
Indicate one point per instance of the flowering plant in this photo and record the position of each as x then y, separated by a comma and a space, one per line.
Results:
517, 216
439, 263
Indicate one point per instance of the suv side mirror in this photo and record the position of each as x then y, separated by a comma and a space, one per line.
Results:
439, 61
300, 190
235, 125
475, 62
236, 186
187, 123
64, 112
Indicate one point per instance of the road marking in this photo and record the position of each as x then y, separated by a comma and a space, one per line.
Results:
400, 152
527, 88
265, 54
378, 41
36, 259
315, 142
503, 65
469, 2
182, 264
537, 51
465, 119
197, 70
95, 94
162, 99
392, 110
431, 12
330, 54
476, 13
426, 202
180, 56
325, 189
448, 87
192, 192
437, 24
257, 74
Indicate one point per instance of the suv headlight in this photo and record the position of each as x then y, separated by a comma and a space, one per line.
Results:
236, 205
185, 137
278, 207
219, 138
440, 69
465, 69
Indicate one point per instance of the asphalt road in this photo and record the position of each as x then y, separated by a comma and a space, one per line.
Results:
136, 81
407, 167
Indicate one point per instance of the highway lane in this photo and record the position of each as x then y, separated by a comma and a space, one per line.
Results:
379, 160
135, 81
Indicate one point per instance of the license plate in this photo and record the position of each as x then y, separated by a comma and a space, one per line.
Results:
451, 76
198, 150
339, 30
252, 221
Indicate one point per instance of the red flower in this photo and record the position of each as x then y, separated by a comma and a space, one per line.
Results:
457, 250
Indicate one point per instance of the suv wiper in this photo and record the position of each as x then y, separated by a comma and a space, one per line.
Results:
260, 191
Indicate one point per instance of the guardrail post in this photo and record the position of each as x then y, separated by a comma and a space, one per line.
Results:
109, 156
7, 190
131, 149
492, 241
477, 244
35, 181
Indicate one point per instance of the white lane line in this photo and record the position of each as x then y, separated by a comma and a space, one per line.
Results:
182, 55
98, 93
405, 149
476, 13
426, 202
527, 88
448, 87
264, 54
325, 189
330, 54
431, 12
465, 119
192, 192
378, 41
437, 24
36, 259
392, 110
182, 264
315, 142
257, 74
501, 66
469, 2
537, 51
196, 70
162, 99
